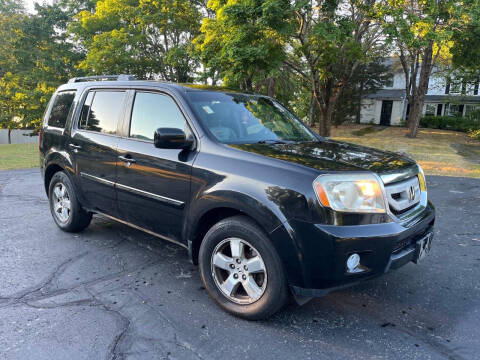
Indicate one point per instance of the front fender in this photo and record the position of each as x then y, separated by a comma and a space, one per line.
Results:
267, 216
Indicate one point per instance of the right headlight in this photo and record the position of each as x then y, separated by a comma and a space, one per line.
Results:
421, 179
354, 193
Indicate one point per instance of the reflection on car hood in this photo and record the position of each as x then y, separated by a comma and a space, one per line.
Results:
329, 155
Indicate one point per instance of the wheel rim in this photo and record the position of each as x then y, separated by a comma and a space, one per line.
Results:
62, 205
239, 271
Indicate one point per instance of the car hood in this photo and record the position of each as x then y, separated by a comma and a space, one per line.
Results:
330, 155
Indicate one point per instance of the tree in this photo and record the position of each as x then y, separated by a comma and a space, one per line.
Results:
367, 79
243, 41
148, 38
466, 40
35, 57
321, 42
333, 39
422, 34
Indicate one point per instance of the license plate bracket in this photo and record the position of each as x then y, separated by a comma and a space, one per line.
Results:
423, 247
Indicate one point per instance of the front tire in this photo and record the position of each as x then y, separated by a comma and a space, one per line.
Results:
64, 206
241, 269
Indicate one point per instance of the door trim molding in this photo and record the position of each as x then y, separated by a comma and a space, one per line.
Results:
97, 179
164, 199
169, 201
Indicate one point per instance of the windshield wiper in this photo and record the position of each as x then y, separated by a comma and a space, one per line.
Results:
272, 141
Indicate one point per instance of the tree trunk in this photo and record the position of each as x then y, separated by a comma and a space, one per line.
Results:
325, 123
414, 116
358, 110
9, 136
420, 92
248, 84
271, 87
312, 111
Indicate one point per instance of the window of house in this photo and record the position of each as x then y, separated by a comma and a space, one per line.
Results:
152, 111
469, 108
455, 87
453, 110
101, 111
62, 106
430, 109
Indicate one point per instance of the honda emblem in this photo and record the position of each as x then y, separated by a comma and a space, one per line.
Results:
411, 194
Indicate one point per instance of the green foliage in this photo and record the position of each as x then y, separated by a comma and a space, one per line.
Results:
466, 40
367, 79
243, 41
317, 57
474, 134
35, 57
421, 33
463, 124
146, 38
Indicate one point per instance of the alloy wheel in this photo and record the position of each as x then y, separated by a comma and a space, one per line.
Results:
62, 205
239, 271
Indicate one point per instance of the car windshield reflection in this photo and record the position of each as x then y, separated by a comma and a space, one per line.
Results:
248, 119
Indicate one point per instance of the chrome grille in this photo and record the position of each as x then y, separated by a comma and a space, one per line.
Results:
403, 195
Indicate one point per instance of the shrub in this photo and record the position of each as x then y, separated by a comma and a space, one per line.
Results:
474, 134
464, 124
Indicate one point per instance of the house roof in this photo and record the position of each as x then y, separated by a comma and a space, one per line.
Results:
387, 94
447, 98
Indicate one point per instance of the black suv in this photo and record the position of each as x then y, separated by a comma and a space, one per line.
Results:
265, 206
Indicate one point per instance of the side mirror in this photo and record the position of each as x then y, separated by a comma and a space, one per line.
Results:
171, 138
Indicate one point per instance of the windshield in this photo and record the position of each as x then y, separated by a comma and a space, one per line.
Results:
242, 119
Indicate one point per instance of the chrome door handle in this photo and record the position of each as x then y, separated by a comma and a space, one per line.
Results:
74, 147
127, 160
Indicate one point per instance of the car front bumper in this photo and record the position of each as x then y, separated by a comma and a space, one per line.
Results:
315, 255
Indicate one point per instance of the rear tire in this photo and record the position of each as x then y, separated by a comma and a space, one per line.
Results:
64, 206
241, 269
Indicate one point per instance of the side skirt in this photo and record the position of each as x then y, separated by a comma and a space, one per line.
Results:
143, 229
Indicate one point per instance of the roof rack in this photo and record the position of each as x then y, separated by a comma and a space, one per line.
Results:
121, 77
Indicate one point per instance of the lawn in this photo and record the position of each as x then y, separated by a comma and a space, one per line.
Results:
18, 156
440, 152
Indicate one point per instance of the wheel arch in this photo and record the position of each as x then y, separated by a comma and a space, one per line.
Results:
51, 170
208, 219
57, 161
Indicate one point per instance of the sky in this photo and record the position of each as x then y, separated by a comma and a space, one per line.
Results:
29, 4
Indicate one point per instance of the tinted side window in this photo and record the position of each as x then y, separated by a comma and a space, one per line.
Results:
105, 111
152, 111
82, 123
61, 109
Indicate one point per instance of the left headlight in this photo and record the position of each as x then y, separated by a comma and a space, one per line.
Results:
354, 193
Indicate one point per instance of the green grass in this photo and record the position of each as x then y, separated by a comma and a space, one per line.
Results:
367, 130
18, 156
440, 152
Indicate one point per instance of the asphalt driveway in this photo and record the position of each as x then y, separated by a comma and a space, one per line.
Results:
115, 292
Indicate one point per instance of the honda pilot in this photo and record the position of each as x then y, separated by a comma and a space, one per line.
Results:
265, 206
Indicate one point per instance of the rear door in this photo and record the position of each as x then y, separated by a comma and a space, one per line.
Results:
93, 146
153, 188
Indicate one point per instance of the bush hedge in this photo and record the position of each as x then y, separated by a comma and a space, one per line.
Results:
464, 124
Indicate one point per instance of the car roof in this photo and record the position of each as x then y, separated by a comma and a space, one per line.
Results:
80, 85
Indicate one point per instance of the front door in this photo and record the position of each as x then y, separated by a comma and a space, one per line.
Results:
153, 185
386, 114
93, 148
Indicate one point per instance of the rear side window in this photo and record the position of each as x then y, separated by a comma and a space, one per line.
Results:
61, 108
101, 111
152, 111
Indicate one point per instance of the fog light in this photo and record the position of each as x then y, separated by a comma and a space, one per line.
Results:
352, 262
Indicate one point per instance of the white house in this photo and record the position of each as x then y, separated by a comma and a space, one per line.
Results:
388, 106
